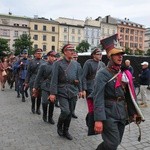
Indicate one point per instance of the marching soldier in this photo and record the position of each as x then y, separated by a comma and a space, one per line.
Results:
42, 81
65, 85
30, 79
111, 102
91, 66
21, 67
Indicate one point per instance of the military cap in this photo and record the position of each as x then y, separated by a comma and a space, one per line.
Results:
25, 51
51, 53
111, 45
96, 51
68, 47
38, 50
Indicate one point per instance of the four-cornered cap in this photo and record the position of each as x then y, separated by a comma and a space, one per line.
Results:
38, 50
68, 47
25, 51
51, 53
111, 45
145, 63
96, 51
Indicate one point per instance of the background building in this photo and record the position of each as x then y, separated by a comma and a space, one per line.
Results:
11, 27
92, 32
108, 27
147, 39
44, 33
70, 31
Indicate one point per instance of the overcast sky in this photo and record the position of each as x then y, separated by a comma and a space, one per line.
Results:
135, 10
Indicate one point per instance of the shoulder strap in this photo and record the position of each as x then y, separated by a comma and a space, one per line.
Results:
114, 77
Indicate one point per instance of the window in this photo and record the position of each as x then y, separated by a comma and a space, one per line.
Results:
126, 37
65, 38
114, 32
35, 46
107, 31
127, 30
5, 32
141, 32
24, 32
79, 31
53, 48
132, 31
92, 42
131, 38
16, 34
65, 29
126, 44
44, 47
79, 39
136, 39
140, 39
53, 38
35, 37
15, 24
35, 27
73, 31
53, 29
24, 25
73, 39
44, 37
44, 28
121, 30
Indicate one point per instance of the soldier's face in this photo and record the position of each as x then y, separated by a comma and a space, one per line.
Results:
51, 58
38, 55
69, 53
117, 58
97, 57
25, 55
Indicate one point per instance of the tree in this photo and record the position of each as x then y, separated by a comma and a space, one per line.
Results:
83, 46
128, 51
23, 42
148, 52
4, 48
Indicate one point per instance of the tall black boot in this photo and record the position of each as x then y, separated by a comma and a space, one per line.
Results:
66, 128
60, 126
50, 113
38, 103
33, 105
44, 106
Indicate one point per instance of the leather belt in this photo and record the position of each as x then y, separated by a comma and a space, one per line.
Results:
116, 99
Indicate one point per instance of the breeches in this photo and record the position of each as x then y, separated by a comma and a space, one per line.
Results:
45, 95
112, 134
66, 106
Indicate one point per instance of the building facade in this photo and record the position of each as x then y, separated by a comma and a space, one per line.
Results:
11, 27
92, 32
132, 34
70, 31
147, 39
108, 27
44, 34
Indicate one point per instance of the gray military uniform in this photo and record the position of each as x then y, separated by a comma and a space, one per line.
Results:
108, 110
30, 78
42, 81
63, 84
89, 71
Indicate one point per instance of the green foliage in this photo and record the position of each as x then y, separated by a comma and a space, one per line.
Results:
23, 42
4, 48
148, 52
128, 51
139, 52
83, 47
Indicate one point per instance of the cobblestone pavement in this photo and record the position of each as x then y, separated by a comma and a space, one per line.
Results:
22, 130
